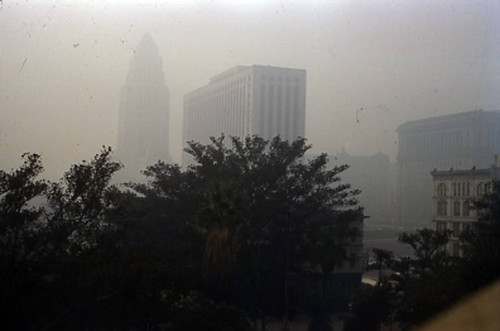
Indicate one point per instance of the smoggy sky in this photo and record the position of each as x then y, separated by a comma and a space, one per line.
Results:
371, 65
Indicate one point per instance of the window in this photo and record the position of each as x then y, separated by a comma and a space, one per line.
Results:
456, 229
441, 190
487, 188
456, 250
454, 189
456, 208
468, 190
441, 208
465, 208
440, 226
480, 189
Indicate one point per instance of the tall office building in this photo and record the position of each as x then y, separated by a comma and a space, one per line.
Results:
459, 141
143, 127
247, 100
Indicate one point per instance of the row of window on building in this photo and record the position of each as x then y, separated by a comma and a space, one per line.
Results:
280, 79
459, 208
456, 227
463, 189
450, 141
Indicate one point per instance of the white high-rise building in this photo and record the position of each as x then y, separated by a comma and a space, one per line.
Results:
247, 100
143, 128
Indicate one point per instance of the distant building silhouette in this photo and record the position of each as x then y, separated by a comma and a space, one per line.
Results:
375, 176
455, 141
246, 100
143, 129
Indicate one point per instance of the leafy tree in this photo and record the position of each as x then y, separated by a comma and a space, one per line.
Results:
481, 245
22, 244
429, 281
427, 248
161, 222
78, 267
419, 285
285, 211
372, 307
235, 235
194, 311
221, 215
79, 202
424, 283
383, 259
18, 220
48, 254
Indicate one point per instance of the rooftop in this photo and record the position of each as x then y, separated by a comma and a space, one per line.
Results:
466, 118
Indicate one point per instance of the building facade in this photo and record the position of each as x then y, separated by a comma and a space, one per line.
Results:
375, 176
455, 141
143, 127
454, 193
247, 100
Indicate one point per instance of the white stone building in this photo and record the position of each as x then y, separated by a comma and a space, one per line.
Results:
247, 100
454, 193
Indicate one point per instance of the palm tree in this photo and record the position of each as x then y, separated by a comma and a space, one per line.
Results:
221, 216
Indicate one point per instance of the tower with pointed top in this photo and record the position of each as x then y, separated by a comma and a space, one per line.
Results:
143, 127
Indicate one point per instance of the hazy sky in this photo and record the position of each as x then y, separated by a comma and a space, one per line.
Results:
371, 65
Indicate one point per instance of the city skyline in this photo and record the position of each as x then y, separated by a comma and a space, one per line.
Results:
370, 67
383, 213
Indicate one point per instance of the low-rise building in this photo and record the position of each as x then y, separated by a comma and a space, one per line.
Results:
461, 140
454, 193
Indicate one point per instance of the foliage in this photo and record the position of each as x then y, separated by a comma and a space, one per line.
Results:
481, 242
423, 283
372, 307
231, 239
383, 260
18, 220
428, 250
193, 311
254, 199
418, 286
22, 239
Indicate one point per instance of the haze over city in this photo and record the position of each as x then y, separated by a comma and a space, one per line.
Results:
370, 66
105, 224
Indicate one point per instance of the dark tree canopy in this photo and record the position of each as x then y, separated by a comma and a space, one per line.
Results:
262, 204
481, 242
230, 240
428, 282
